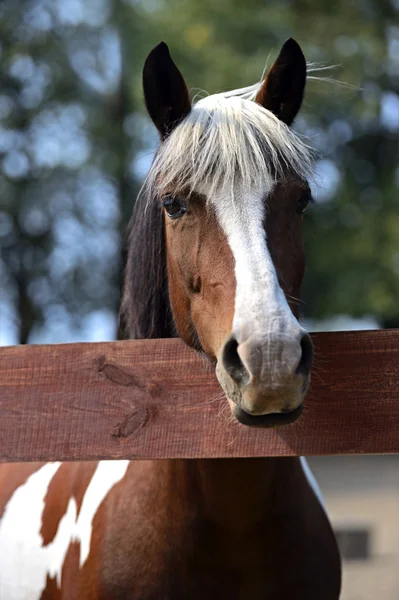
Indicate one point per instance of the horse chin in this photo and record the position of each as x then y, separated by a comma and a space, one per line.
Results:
266, 421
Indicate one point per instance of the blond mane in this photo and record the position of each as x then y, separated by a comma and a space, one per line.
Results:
227, 139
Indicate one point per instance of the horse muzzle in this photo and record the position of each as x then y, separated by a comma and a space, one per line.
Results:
266, 381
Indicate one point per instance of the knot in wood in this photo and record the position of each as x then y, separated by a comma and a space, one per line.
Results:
131, 423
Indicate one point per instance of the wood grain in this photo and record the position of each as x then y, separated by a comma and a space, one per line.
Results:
157, 399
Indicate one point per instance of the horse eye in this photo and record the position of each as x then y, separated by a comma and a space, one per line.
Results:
303, 202
174, 207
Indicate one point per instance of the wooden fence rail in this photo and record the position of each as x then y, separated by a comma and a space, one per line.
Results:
157, 399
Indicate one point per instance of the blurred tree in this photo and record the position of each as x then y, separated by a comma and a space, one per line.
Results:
64, 154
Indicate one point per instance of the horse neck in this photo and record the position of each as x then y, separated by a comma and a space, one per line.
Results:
222, 489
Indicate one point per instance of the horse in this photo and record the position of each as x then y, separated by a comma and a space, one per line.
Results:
215, 256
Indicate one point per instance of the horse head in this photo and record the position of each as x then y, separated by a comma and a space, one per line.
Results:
230, 177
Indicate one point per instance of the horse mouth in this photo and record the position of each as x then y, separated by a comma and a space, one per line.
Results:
267, 421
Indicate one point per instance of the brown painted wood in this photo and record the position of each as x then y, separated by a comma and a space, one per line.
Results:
158, 399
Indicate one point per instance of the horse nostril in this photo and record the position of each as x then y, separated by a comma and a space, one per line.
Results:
306, 362
232, 362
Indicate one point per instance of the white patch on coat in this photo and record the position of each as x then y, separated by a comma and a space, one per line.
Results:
24, 561
24, 564
107, 474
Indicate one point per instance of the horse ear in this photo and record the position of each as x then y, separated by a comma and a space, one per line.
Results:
165, 92
283, 87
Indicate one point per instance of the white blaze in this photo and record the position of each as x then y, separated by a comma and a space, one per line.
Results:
24, 561
261, 310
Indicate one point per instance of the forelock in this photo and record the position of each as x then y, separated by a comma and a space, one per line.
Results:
227, 140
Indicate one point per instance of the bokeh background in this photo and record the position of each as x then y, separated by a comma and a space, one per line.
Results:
75, 145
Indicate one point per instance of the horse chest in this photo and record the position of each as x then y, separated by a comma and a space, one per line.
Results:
150, 537
217, 567
175, 550
197, 561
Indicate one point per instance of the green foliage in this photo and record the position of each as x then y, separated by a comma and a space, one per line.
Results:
64, 189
